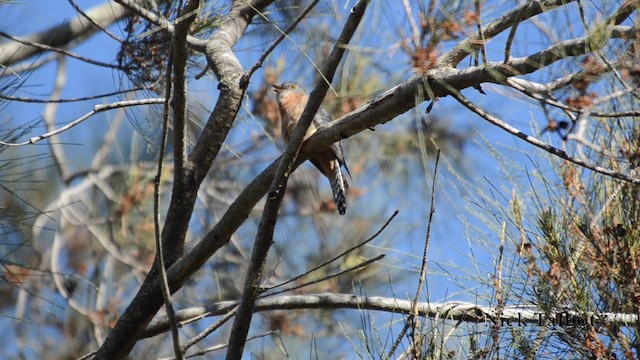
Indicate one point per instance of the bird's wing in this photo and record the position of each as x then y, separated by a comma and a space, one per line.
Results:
323, 119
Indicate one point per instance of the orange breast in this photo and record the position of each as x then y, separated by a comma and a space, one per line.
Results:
291, 108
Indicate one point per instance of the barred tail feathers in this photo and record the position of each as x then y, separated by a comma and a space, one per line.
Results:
338, 188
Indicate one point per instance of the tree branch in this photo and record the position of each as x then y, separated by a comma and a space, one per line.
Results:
452, 310
97, 109
264, 236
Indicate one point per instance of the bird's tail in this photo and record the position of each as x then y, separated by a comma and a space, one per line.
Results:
338, 186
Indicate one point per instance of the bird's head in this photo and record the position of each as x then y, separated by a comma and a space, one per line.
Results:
288, 88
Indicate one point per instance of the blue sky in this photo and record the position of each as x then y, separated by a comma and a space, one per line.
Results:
457, 236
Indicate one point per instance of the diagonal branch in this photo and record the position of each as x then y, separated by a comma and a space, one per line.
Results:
535, 142
159, 262
413, 321
264, 236
284, 34
336, 257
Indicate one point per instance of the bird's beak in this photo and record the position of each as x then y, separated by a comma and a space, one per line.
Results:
277, 88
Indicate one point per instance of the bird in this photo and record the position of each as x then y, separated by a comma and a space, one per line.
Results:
292, 99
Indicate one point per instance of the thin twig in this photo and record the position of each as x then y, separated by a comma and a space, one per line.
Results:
223, 346
327, 262
330, 276
534, 141
177, 86
59, 50
283, 34
213, 327
423, 268
412, 23
89, 19
84, 98
97, 109
412, 321
32, 66
482, 40
495, 329
62, 35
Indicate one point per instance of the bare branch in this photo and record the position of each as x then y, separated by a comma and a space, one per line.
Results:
84, 98
481, 38
264, 236
176, 83
224, 346
211, 328
284, 34
453, 310
358, 266
345, 252
415, 31
413, 320
159, 263
180, 55
512, 35
97, 109
86, 16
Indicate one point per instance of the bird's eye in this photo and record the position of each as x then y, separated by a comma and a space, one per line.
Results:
293, 87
